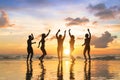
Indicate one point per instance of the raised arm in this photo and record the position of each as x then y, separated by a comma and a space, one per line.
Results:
57, 33
70, 33
47, 33
64, 34
89, 33
32, 36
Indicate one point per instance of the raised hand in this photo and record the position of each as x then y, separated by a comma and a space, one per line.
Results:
59, 30
88, 30
69, 30
65, 31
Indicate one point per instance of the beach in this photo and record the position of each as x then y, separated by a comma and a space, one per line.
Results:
53, 70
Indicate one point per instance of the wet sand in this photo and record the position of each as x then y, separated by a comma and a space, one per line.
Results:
53, 70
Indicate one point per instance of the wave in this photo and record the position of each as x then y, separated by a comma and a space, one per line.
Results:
23, 57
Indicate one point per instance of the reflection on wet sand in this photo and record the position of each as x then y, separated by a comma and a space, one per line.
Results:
102, 70
72, 77
41, 76
87, 71
29, 71
65, 70
60, 71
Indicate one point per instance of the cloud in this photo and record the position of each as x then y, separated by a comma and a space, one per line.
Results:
4, 20
102, 42
37, 38
95, 22
53, 37
76, 21
99, 6
102, 12
105, 14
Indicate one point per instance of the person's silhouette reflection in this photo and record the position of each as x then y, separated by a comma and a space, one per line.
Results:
42, 72
60, 71
87, 71
29, 71
71, 71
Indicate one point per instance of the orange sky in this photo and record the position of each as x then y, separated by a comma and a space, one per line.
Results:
19, 21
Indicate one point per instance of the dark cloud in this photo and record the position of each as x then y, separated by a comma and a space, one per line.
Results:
95, 22
76, 21
100, 10
4, 20
105, 14
102, 42
100, 6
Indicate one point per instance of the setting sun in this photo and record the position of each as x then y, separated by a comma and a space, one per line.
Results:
66, 51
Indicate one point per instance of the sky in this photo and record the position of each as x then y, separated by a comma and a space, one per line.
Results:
20, 18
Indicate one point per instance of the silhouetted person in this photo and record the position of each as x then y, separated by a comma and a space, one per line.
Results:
72, 42
72, 77
29, 47
42, 41
60, 71
29, 71
87, 71
60, 40
87, 45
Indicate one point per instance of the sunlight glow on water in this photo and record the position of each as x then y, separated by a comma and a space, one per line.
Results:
53, 70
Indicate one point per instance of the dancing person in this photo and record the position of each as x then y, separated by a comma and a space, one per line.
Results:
60, 40
72, 42
42, 41
87, 45
29, 47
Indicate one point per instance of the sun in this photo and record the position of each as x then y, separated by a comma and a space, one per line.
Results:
66, 51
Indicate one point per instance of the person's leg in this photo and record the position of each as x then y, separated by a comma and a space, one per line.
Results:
28, 56
28, 51
71, 55
58, 51
84, 53
61, 53
31, 55
44, 53
89, 54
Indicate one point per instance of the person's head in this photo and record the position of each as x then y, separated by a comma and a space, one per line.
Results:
60, 36
72, 37
86, 35
43, 35
29, 36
